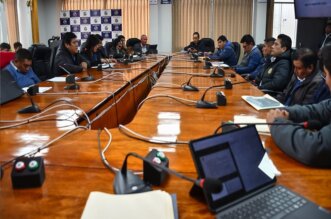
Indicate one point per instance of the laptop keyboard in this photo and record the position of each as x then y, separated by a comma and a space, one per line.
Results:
276, 202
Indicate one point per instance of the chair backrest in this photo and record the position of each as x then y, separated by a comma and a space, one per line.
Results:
108, 46
237, 49
41, 65
51, 40
5, 58
54, 47
207, 45
132, 41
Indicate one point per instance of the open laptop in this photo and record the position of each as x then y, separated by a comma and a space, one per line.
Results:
239, 160
9, 88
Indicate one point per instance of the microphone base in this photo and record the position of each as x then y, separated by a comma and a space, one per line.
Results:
129, 183
72, 87
206, 105
89, 78
213, 75
189, 88
30, 109
197, 193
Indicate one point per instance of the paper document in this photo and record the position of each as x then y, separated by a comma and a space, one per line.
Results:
41, 89
146, 205
220, 64
264, 102
268, 167
253, 120
105, 65
57, 79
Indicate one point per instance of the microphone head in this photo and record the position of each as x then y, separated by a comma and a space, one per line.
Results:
211, 185
313, 124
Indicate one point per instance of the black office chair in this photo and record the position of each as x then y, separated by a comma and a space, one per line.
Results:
108, 46
237, 49
207, 45
54, 47
51, 40
41, 55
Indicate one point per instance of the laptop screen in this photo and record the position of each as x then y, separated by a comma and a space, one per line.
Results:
234, 158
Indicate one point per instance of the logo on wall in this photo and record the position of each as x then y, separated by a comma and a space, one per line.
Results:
75, 22
74, 14
106, 28
76, 29
106, 20
106, 13
65, 29
84, 13
95, 20
85, 28
116, 13
65, 22
85, 21
116, 20
64, 14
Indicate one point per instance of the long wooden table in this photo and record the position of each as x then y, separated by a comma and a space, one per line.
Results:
74, 167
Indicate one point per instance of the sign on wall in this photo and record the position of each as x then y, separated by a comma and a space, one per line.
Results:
107, 23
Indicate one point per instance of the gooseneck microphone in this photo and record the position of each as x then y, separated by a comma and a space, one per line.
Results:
70, 80
188, 86
220, 73
126, 182
34, 108
309, 124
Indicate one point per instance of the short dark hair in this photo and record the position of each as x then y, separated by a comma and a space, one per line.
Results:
247, 38
4, 46
285, 41
91, 42
120, 37
23, 54
67, 37
306, 56
269, 40
17, 45
196, 33
326, 57
222, 38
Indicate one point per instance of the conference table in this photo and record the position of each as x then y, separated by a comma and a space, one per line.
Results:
145, 101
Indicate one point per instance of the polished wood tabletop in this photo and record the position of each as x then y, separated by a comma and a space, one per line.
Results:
73, 164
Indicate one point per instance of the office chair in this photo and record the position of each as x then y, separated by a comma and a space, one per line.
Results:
41, 56
236, 48
207, 45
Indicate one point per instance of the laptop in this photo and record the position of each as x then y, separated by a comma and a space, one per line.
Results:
9, 88
239, 160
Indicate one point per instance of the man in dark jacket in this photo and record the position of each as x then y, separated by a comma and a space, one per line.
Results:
67, 56
305, 81
277, 74
311, 147
225, 52
193, 47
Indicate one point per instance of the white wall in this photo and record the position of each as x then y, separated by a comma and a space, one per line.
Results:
161, 27
3, 25
49, 19
259, 20
24, 24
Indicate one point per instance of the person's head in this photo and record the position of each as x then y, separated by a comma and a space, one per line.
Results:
17, 46
328, 28
143, 39
4, 47
282, 44
122, 38
267, 46
92, 43
118, 43
247, 42
304, 62
23, 60
70, 42
326, 61
196, 37
222, 40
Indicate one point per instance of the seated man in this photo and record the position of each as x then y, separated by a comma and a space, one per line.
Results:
276, 75
252, 56
225, 52
20, 69
307, 146
4, 47
266, 51
193, 47
68, 57
142, 47
305, 81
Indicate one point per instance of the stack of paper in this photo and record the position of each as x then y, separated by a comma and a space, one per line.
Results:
154, 204
264, 129
264, 102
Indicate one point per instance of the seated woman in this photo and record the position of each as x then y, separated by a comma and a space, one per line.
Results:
92, 51
117, 51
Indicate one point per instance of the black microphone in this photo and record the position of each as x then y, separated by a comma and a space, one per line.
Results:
34, 108
195, 57
126, 182
309, 124
208, 64
70, 80
188, 86
220, 73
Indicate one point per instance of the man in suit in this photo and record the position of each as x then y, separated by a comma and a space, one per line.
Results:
193, 47
311, 147
20, 69
142, 47
305, 81
68, 57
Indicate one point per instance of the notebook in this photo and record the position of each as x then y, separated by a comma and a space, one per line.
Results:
9, 88
239, 160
